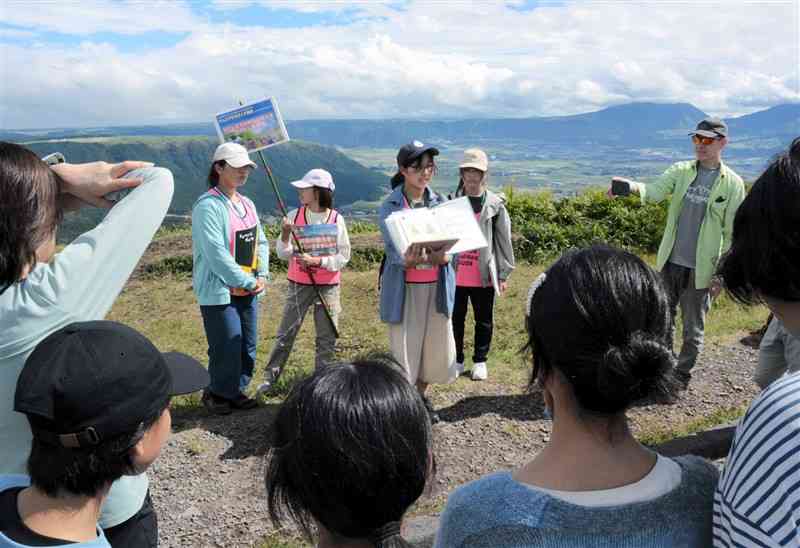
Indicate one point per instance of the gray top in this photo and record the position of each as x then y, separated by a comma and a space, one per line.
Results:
693, 210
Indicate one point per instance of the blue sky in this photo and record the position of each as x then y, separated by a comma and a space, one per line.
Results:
111, 62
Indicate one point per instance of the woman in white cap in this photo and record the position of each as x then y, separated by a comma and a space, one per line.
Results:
322, 234
481, 274
231, 266
418, 288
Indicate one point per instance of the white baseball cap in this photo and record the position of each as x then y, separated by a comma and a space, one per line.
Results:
316, 177
475, 158
234, 154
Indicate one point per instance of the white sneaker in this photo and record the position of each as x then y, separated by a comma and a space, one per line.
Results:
459, 368
479, 371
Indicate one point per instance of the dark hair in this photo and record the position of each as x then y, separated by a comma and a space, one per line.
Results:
764, 258
460, 187
324, 197
29, 209
351, 450
56, 470
213, 176
398, 178
602, 319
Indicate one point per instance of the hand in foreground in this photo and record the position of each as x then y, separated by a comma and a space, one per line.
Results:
286, 229
620, 186
503, 286
239, 292
261, 284
307, 260
89, 183
438, 257
414, 255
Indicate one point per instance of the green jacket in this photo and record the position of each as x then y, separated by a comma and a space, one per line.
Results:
716, 231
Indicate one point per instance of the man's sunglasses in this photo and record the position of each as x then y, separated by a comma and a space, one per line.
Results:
700, 140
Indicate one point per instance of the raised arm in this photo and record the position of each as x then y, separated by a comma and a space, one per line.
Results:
85, 278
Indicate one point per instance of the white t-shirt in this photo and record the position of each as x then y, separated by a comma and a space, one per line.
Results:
663, 478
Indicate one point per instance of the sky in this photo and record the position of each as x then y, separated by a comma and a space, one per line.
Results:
86, 63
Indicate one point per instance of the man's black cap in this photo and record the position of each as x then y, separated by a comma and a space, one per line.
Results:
91, 382
409, 153
711, 127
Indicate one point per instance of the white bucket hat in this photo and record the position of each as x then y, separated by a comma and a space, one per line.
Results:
316, 177
475, 158
234, 154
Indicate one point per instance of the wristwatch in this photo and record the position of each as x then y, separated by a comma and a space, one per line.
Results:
54, 159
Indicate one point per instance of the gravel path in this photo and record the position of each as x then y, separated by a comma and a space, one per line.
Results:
208, 483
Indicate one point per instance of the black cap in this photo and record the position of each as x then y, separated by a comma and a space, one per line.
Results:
409, 153
711, 127
91, 382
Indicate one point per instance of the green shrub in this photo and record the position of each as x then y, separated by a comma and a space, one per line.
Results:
177, 265
545, 227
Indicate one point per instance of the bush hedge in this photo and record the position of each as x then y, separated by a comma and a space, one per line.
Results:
545, 227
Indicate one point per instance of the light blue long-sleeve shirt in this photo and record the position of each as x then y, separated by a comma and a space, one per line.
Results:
499, 512
79, 284
214, 270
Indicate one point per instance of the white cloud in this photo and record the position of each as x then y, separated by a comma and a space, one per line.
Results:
17, 34
85, 17
427, 59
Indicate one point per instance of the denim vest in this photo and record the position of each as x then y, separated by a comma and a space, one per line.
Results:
393, 281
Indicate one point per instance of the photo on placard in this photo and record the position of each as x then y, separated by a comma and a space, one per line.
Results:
255, 126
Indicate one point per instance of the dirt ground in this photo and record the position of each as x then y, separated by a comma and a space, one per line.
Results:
208, 484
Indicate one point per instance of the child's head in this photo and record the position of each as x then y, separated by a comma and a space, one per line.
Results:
764, 260
599, 318
29, 210
316, 186
351, 451
96, 395
473, 169
415, 160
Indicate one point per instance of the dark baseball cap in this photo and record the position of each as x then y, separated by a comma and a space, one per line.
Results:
711, 127
91, 382
409, 152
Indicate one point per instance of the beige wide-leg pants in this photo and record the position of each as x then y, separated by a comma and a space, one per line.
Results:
423, 342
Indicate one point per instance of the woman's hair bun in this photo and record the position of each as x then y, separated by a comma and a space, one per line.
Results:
639, 368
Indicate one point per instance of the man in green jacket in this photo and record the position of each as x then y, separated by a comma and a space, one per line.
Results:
704, 195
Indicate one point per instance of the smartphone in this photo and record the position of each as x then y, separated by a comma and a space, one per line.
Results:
620, 187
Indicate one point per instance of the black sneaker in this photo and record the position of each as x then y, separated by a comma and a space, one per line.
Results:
242, 402
434, 416
216, 404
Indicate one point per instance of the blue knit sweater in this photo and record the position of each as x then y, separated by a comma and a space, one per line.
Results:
497, 511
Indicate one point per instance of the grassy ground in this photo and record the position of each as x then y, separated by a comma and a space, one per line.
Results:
164, 308
166, 311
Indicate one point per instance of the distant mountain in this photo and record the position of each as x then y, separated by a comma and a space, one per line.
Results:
629, 125
190, 160
777, 120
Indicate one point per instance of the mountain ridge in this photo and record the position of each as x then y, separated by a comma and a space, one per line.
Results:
626, 124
